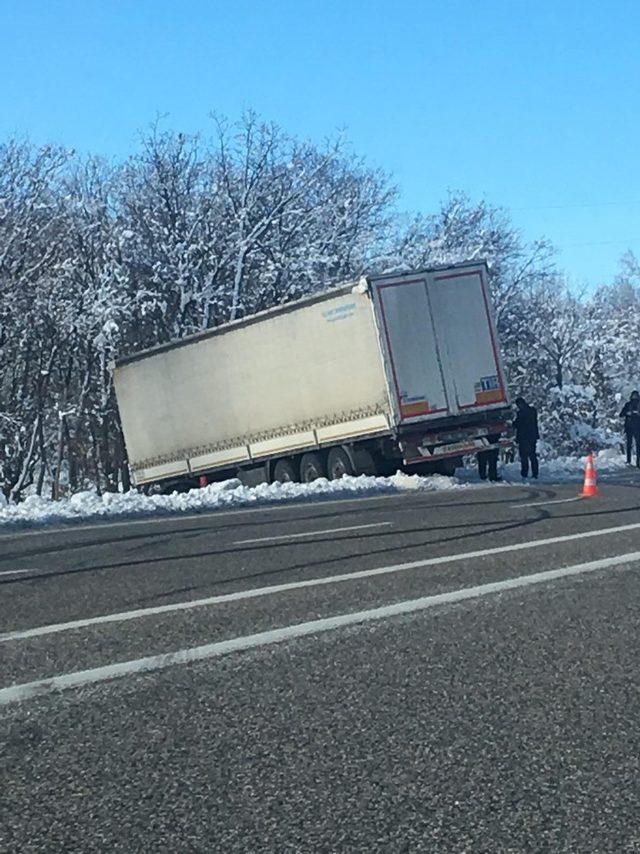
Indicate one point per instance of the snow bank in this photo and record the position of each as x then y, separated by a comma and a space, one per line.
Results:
230, 493
568, 469
558, 470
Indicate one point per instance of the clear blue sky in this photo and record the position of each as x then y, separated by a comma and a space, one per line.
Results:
531, 105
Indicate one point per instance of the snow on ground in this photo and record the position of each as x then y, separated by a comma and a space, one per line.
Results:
560, 469
216, 496
35, 510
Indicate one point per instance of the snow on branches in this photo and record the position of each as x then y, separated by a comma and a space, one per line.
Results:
99, 260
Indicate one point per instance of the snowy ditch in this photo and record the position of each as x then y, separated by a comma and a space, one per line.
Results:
35, 510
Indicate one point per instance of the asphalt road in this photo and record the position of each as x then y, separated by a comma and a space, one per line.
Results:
287, 681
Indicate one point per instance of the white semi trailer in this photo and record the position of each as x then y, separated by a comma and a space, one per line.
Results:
390, 371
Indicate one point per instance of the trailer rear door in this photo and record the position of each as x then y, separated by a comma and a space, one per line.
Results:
466, 338
411, 348
437, 335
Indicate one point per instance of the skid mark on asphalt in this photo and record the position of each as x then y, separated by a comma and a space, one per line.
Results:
256, 592
69, 526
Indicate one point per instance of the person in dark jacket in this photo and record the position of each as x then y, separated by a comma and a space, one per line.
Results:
527, 435
488, 461
631, 414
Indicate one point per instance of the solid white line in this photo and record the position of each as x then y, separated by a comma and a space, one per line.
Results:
27, 690
311, 533
123, 616
555, 501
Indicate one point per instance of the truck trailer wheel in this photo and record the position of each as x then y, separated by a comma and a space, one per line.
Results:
339, 464
284, 471
312, 467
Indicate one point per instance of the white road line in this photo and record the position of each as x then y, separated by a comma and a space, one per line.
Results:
27, 690
311, 533
255, 592
291, 504
555, 501
17, 571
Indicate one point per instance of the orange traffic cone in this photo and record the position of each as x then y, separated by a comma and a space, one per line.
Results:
590, 488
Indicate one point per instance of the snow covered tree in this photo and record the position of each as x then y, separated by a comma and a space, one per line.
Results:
32, 217
99, 260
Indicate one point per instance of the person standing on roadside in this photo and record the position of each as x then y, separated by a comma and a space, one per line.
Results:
631, 414
488, 461
527, 435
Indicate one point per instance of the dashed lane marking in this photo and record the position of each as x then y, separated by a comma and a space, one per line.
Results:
312, 533
18, 571
554, 501
21, 634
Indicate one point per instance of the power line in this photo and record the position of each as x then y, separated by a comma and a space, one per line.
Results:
632, 242
577, 205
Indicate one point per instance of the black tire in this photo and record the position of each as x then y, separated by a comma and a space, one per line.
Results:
312, 467
284, 471
339, 464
